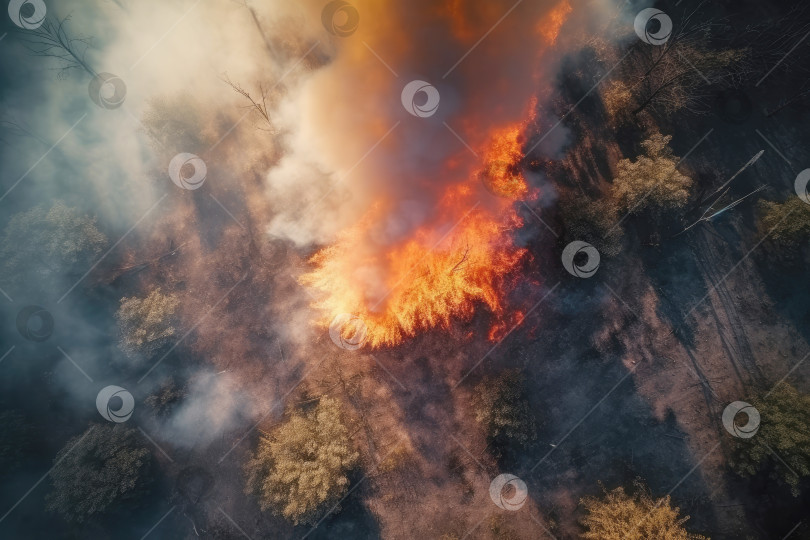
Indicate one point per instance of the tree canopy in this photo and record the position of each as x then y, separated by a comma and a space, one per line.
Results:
788, 223
652, 181
618, 515
781, 446
502, 410
147, 324
103, 467
300, 470
42, 244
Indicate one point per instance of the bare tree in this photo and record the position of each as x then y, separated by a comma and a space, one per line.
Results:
52, 40
258, 105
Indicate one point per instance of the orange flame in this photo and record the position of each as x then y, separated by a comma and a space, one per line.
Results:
443, 271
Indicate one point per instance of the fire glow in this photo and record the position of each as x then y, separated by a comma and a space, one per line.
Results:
462, 258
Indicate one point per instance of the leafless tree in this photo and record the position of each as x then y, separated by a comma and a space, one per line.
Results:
257, 105
52, 40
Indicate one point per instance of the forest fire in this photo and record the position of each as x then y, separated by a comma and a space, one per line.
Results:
443, 270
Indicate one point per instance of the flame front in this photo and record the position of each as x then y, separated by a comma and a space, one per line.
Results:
443, 270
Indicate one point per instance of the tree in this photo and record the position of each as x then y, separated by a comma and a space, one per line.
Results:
594, 222
300, 470
652, 181
42, 244
787, 223
782, 444
166, 398
146, 324
104, 467
502, 410
619, 516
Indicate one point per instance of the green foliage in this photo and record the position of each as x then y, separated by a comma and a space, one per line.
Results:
593, 222
651, 182
15, 437
102, 468
42, 244
619, 516
300, 471
788, 223
502, 410
784, 431
147, 324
